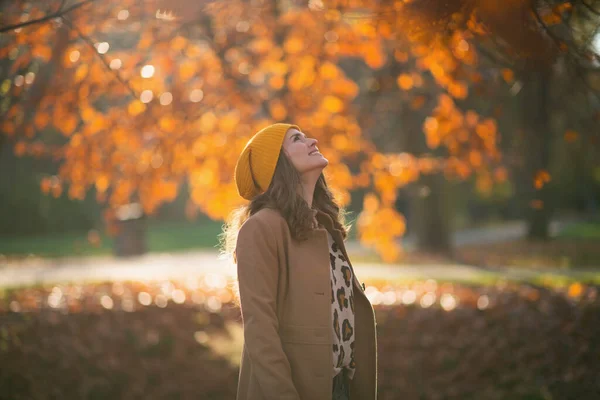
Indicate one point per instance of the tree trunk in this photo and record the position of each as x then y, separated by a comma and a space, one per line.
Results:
431, 218
536, 147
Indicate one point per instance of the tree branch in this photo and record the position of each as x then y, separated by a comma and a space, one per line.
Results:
590, 8
59, 13
90, 43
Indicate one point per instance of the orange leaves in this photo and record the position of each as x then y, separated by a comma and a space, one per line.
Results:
81, 72
204, 176
332, 104
94, 125
67, 124
20, 148
551, 18
121, 193
458, 90
278, 68
370, 203
405, 168
417, 102
329, 70
484, 183
501, 174
378, 227
167, 123
277, 110
216, 202
51, 185
157, 191
374, 56
508, 75
536, 204
146, 39
187, 69
571, 136
405, 81
540, 178
229, 122
261, 45
207, 122
42, 52
41, 119
340, 175
431, 129
178, 43
340, 142
467, 138
277, 82
102, 183
294, 45
136, 107
304, 74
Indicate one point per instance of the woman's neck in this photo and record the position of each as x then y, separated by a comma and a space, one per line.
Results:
308, 184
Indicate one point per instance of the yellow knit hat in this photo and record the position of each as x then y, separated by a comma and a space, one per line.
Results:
256, 165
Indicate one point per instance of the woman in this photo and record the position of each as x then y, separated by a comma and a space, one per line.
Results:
309, 329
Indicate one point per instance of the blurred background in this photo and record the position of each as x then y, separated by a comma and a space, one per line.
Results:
462, 138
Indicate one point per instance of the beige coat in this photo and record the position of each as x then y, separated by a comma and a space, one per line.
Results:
286, 309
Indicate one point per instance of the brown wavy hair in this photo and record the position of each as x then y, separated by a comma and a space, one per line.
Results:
282, 194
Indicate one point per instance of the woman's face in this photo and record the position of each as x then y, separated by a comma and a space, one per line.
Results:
303, 152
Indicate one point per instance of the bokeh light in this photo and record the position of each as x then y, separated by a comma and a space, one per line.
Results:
146, 96
166, 98
448, 302
201, 337
409, 297
147, 71
178, 296
144, 298
123, 15
107, 302
103, 47
196, 95
29, 78
428, 300
483, 302
115, 63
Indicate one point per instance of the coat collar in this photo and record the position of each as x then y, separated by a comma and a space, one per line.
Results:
324, 219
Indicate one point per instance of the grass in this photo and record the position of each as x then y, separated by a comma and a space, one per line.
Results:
576, 246
160, 237
584, 230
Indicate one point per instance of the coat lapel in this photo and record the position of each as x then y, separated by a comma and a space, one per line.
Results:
325, 220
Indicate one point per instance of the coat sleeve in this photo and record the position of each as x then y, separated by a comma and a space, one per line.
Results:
258, 273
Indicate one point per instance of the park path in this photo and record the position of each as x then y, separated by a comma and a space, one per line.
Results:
184, 265
485, 235
189, 265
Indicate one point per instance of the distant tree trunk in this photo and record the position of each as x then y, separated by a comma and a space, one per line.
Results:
396, 127
431, 218
428, 198
3, 141
536, 147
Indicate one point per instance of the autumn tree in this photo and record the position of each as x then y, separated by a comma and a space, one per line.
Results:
134, 98
137, 101
529, 44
